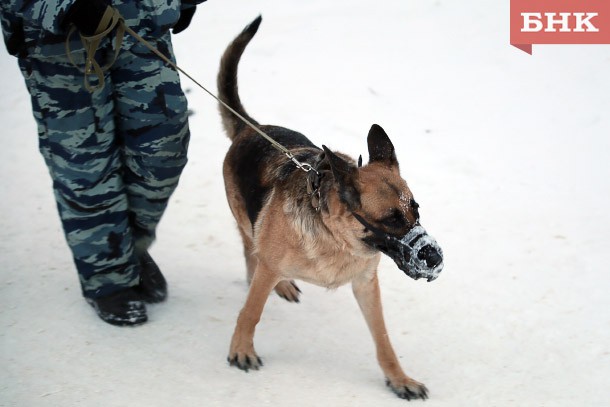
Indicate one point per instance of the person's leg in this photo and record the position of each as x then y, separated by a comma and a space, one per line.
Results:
152, 125
77, 141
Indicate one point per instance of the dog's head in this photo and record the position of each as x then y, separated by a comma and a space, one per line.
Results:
376, 205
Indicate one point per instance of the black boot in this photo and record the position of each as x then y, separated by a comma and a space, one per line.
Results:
153, 287
122, 308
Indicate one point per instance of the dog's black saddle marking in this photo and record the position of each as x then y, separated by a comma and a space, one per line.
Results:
253, 155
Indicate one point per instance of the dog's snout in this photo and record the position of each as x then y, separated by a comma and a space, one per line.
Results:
430, 255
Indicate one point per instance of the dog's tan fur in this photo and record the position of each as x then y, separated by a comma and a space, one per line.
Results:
289, 239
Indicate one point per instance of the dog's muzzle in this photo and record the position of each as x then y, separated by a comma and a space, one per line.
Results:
416, 253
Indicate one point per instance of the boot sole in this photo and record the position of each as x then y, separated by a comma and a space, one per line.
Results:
136, 318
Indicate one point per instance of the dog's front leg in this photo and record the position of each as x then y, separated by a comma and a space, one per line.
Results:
242, 354
366, 291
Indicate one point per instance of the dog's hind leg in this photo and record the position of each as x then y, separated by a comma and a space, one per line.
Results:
366, 291
249, 255
288, 290
242, 353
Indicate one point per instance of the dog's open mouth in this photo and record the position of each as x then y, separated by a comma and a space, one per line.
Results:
416, 253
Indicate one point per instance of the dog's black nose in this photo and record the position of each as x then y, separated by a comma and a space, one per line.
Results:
430, 255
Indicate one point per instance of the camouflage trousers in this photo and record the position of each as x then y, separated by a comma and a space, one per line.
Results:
114, 155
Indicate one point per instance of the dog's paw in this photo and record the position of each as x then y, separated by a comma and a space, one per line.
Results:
288, 290
408, 389
245, 361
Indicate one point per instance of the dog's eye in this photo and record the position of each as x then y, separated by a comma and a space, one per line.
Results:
395, 220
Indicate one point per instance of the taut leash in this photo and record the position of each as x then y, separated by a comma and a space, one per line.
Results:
112, 19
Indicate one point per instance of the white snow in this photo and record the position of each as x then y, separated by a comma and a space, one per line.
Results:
507, 154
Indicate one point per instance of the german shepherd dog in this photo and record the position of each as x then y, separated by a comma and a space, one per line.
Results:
327, 226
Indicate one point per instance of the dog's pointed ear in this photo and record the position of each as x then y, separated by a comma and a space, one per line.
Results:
345, 176
381, 148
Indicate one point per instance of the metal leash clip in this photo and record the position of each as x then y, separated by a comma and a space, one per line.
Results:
313, 187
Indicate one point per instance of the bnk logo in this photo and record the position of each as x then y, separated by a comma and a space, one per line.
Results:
559, 22
532, 22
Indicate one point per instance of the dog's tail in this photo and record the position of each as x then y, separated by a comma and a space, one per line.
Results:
227, 80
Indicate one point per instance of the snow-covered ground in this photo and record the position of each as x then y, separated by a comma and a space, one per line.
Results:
508, 155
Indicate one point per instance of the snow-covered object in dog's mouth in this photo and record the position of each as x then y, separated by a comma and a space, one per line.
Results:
420, 255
